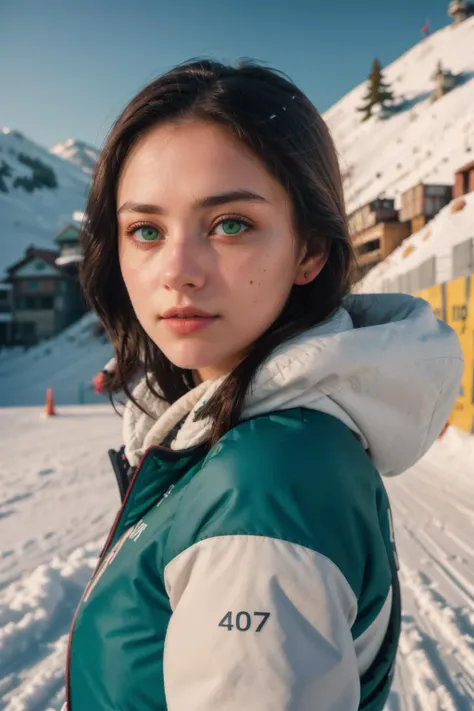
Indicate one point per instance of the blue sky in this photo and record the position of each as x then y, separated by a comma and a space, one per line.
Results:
68, 68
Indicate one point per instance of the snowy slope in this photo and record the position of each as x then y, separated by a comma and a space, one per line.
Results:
67, 363
34, 217
77, 152
421, 141
59, 497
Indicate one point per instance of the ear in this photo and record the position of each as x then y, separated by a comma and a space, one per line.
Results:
309, 268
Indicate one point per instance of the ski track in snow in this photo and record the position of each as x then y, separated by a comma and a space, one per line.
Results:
433, 507
58, 499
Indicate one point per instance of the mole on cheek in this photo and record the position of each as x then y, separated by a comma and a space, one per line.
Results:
251, 282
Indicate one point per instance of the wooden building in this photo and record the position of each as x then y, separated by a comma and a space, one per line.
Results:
380, 210
376, 232
464, 180
70, 254
6, 314
422, 202
46, 298
375, 244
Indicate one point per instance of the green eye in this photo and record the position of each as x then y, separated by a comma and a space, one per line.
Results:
147, 233
231, 227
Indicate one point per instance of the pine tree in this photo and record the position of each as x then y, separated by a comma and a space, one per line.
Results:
378, 92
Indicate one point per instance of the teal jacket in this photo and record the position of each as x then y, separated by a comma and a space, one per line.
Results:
261, 575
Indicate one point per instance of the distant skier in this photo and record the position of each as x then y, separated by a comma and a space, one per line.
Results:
101, 381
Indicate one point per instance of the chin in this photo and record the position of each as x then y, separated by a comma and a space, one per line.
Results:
190, 356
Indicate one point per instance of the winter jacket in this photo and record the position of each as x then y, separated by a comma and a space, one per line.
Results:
261, 575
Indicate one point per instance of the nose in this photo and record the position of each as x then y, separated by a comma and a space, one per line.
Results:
181, 266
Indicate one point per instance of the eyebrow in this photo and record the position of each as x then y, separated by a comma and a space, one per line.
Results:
210, 201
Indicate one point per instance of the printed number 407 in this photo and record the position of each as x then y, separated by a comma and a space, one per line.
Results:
244, 622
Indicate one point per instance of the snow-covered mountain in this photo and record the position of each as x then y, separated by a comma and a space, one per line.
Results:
421, 141
77, 152
39, 192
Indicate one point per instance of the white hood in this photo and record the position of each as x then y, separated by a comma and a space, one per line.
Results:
383, 365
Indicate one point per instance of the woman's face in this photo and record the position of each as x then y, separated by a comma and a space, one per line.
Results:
206, 245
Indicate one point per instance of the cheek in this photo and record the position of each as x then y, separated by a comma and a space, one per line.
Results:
134, 276
268, 279
131, 259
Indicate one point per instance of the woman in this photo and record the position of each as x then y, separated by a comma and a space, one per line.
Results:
252, 565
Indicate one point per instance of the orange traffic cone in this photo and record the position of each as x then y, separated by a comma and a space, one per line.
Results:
49, 410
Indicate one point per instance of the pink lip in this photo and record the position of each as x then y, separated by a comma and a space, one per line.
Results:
184, 311
187, 319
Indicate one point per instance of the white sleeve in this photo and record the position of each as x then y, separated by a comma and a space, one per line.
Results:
259, 624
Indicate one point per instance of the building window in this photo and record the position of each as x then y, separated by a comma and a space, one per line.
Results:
465, 182
46, 302
33, 285
371, 246
5, 304
34, 303
25, 303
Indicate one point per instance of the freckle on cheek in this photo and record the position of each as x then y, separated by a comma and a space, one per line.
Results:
251, 282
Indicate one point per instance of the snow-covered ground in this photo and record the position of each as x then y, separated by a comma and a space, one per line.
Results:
58, 499
433, 507
67, 363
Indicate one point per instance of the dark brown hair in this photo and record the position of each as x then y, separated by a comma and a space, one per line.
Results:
270, 115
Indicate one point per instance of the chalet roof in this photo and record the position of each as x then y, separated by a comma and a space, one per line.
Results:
469, 166
370, 203
46, 255
427, 184
69, 232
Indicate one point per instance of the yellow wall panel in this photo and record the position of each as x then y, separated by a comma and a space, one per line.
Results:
460, 316
435, 296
